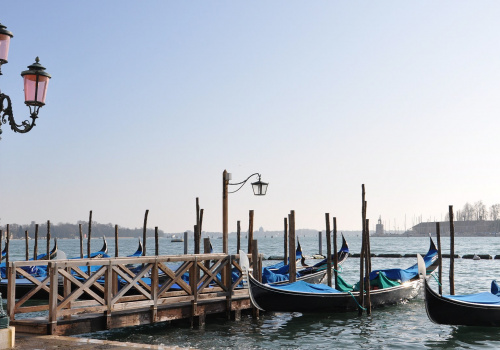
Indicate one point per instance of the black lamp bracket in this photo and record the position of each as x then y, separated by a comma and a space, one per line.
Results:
6, 115
242, 183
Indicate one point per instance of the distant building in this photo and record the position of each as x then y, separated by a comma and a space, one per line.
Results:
261, 229
379, 228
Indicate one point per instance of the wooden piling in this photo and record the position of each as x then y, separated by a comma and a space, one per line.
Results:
197, 231
157, 242
26, 244
206, 250
144, 232
186, 245
250, 231
7, 245
285, 241
335, 254
114, 275
48, 240
320, 243
291, 247
256, 272
440, 258
362, 254
200, 225
238, 237
367, 267
196, 249
328, 251
89, 236
452, 252
81, 240
35, 249
116, 241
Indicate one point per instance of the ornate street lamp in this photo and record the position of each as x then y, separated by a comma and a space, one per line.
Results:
36, 80
259, 189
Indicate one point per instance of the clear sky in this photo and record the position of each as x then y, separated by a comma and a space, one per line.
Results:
151, 100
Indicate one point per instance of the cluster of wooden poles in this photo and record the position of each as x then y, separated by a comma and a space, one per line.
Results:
452, 254
35, 249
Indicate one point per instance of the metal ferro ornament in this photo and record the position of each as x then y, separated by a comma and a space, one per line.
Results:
36, 80
6, 114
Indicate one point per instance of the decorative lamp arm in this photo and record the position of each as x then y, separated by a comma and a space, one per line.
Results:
242, 183
6, 114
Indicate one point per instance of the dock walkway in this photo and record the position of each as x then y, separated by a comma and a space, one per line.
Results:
89, 295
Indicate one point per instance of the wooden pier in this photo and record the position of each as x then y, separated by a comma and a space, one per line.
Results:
77, 302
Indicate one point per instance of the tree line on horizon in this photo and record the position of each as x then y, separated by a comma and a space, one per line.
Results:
476, 212
67, 230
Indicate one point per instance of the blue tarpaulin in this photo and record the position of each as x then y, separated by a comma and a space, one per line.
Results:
301, 286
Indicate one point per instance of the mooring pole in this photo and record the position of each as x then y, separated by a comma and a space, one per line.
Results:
335, 254
81, 240
116, 241
48, 240
26, 245
452, 252
285, 241
144, 232
89, 236
291, 247
367, 267
238, 236
186, 244
157, 242
250, 231
320, 243
440, 258
35, 249
328, 251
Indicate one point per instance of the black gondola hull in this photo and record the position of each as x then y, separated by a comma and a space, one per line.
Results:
272, 299
454, 312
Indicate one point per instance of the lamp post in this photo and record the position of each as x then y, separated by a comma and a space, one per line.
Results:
36, 81
259, 189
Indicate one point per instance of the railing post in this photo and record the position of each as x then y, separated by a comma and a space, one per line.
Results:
67, 286
11, 287
108, 292
52, 269
154, 291
229, 285
193, 283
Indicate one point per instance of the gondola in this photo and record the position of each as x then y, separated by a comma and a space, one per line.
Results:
24, 285
479, 309
138, 252
301, 296
101, 253
52, 253
4, 251
310, 274
431, 262
298, 258
32, 270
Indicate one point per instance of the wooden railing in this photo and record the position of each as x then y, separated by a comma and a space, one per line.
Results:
118, 284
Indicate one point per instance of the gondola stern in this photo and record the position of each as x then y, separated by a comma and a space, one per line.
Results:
104, 248
432, 246
248, 279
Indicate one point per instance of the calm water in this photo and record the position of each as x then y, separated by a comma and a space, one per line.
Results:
403, 326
